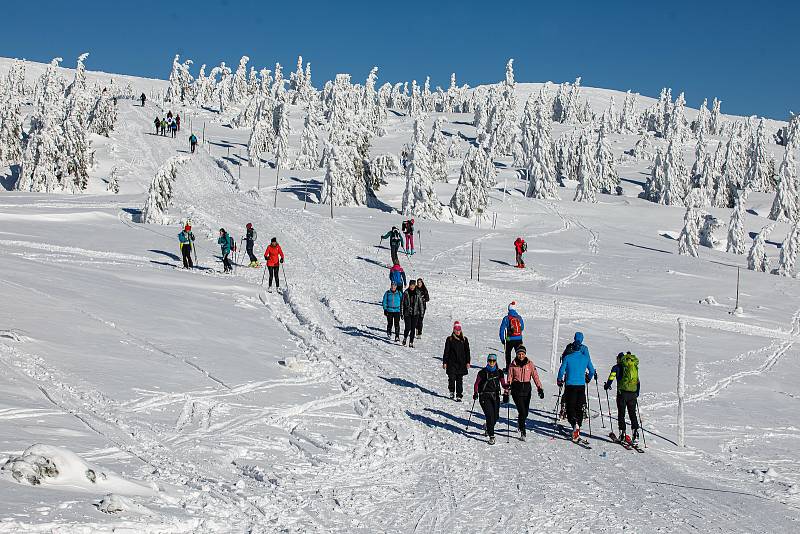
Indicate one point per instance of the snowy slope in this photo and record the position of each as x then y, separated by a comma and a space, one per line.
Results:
245, 411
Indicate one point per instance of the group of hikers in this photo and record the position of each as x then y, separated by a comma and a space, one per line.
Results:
273, 255
170, 123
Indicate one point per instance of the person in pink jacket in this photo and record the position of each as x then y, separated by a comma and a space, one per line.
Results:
520, 373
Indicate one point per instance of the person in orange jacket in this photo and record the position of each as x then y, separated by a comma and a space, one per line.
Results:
520, 246
274, 257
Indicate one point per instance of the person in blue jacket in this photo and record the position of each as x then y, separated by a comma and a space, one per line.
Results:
398, 277
226, 245
575, 372
511, 328
391, 309
186, 237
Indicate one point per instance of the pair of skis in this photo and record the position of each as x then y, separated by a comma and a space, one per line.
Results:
581, 442
625, 444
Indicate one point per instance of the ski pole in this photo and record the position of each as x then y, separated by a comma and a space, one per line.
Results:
508, 422
610, 419
602, 417
641, 425
470, 413
285, 281
588, 410
555, 408
264, 275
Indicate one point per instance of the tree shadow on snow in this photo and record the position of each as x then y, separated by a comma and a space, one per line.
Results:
360, 332
648, 248
433, 423
402, 382
7, 181
304, 189
366, 302
373, 262
164, 263
378, 204
170, 255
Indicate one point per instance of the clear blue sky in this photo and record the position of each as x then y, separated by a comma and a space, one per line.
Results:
745, 53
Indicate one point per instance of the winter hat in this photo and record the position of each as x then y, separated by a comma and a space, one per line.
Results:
620, 355
457, 326
188, 228
521, 350
249, 225
579, 337
222, 230
491, 357
273, 240
512, 306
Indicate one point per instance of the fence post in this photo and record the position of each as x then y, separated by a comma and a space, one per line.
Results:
681, 381
554, 349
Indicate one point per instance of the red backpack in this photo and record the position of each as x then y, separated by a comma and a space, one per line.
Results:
514, 326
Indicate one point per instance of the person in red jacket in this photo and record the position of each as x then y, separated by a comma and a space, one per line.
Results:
274, 257
520, 247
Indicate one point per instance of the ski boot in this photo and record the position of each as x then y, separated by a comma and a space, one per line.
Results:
491, 440
396, 339
411, 345
576, 434
452, 395
459, 398
635, 440
405, 341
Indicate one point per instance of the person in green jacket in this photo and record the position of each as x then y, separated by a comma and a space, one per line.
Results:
226, 245
395, 242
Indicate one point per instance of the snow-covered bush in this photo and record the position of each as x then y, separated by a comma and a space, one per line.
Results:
103, 116
437, 148
708, 231
159, 196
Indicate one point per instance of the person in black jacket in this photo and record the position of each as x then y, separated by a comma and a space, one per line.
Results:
411, 308
250, 238
487, 386
455, 361
423, 290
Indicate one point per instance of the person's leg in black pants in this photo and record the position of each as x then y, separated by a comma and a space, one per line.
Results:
490, 404
249, 248
575, 398
511, 345
630, 403
395, 259
621, 414
226, 263
419, 325
186, 252
522, 400
411, 327
273, 275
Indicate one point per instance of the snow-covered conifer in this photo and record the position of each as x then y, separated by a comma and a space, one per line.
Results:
689, 239
757, 259
759, 177
262, 141
607, 177
159, 196
437, 149
79, 82
223, 87
627, 119
538, 151
586, 172
10, 130
420, 198
715, 120
788, 255
282, 136
103, 116
471, 195
710, 225
701, 124
785, 206
341, 186
700, 159
309, 145
179, 80
239, 89
42, 166
736, 242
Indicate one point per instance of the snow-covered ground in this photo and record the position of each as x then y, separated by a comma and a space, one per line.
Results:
175, 401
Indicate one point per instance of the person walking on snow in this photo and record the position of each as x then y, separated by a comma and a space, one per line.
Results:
395, 242
274, 257
142, 98
487, 388
185, 238
164, 127
408, 230
519, 248
173, 127
520, 373
398, 276
392, 300
178, 122
626, 372
192, 142
157, 122
456, 361
575, 372
511, 328
425, 298
411, 308
250, 237
226, 244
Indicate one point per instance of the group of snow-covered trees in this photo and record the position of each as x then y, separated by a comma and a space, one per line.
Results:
56, 153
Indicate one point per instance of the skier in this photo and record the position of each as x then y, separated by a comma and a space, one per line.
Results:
142, 98
173, 128
425, 298
250, 241
487, 387
456, 361
391, 309
626, 371
226, 244
520, 246
395, 242
398, 276
157, 122
164, 127
575, 372
274, 257
178, 122
411, 307
186, 237
519, 381
192, 142
511, 328
408, 230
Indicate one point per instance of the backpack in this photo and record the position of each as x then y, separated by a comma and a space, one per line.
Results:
231, 243
404, 227
629, 365
524, 246
514, 326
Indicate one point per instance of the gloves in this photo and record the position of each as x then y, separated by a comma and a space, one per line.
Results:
281, 260
560, 383
541, 392
588, 378
474, 396
505, 397
607, 385
444, 366
385, 313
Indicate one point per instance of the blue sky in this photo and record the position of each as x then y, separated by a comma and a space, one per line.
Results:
745, 53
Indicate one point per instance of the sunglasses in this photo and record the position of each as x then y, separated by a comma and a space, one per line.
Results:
492, 361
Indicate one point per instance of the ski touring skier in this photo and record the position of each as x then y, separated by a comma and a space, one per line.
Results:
520, 374
227, 245
575, 372
157, 123
398, 276
408, 230
511, 328
392, 300
456, 361
395, 242
520, 247
426, 297
186, 239
274, 257
626, 373
487, 387
411, 308
142, 98
250, 241
192, 142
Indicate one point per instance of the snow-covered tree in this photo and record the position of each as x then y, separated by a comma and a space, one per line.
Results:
757, 259
79, 82
42, 167
701, 125
710, 225
420, 198
223, 87
627, 119
103, 116
159, 196
179, 80
715, 120
477, 177
607, 177
49, 90
676, 126
437, 149
10, 130
759, 177
282, 136
262, 141
238, 87
537, 148
309, 145
689, 239
341, 185
785, 206
788, 255
586, 172
15, 79
700, 159
736, 242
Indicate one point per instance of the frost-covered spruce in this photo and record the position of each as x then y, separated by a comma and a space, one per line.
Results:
757, 259
586, 172
788, 255
238, 87
309, 145
654, 188
785, 206
700, 125
736, 237
79, 82
710, 225
689, 239
472, 194
75, 150
503, 116
15, 79
159, 196
282, 136
538, 151
341, 185
628, 118
10, 130
715, 120
382, 166
700, 159
262, 141
49, 90
223, 88
643, 149
759, 177
42, 168
179, 80
437, 149
607, 177
420, 198
676, 179
103, 116
676, 127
